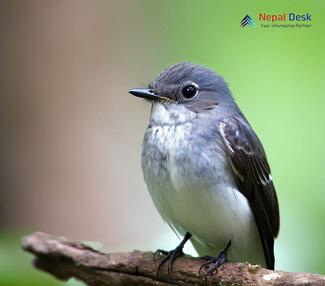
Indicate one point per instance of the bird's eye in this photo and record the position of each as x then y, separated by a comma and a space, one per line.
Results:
190, 90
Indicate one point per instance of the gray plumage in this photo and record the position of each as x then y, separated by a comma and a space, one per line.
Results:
206, 169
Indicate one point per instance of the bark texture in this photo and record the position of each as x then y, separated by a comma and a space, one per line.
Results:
65, 259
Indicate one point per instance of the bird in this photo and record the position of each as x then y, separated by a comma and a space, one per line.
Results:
206, 170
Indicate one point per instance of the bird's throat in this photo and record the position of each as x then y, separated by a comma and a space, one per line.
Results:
170, 114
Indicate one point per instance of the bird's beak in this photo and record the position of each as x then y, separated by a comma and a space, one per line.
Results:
144, 93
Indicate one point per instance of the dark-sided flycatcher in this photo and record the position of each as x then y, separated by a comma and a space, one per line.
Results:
206, 169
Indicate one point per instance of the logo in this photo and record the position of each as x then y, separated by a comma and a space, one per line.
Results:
247, 20
278, 20
284, 16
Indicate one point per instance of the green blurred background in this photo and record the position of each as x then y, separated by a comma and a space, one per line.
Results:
71, 134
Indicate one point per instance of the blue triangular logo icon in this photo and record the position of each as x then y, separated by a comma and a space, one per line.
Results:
247, 20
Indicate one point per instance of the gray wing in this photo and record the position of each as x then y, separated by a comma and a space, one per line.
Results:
254, 180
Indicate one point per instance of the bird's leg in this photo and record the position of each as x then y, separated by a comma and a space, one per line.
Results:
171, 255
215, 262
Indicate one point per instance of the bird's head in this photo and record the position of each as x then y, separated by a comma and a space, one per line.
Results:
186, 89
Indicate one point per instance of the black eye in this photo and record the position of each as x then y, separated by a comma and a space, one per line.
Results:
189, 91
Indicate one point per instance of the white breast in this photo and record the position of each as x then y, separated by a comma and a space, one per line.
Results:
191, 184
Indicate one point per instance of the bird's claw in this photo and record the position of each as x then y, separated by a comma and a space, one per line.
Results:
170, 256
214, 263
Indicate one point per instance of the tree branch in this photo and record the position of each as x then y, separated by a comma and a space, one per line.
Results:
65, 259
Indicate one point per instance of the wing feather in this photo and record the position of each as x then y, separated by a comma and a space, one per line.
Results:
254, 179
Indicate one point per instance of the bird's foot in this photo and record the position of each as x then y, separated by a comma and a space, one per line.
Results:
170, 256
214, 263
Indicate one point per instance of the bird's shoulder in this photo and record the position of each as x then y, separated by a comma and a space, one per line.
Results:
245, 150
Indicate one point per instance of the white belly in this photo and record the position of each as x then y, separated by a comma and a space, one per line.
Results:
194, 191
